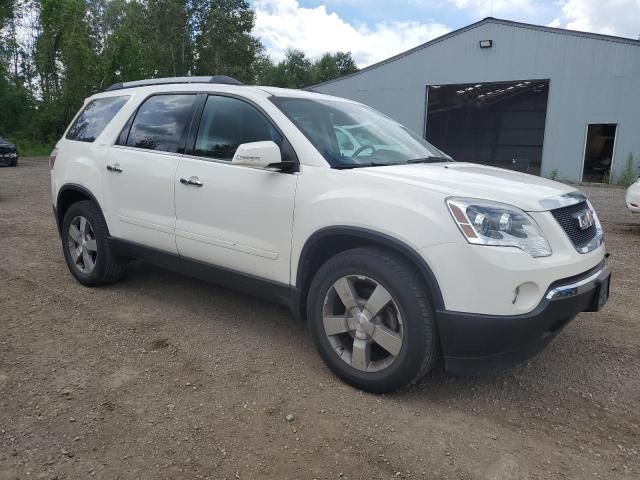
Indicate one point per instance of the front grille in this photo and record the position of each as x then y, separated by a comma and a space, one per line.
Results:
565, 216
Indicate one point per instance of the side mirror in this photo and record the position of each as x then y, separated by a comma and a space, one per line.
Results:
257, 154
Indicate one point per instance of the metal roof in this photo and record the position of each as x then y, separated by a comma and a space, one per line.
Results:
484, 21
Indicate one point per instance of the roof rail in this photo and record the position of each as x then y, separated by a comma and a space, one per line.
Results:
220, 79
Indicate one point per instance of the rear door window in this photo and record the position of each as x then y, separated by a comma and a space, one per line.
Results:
160, 123
95, 116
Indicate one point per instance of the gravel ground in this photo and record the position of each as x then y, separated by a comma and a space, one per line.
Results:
162, 376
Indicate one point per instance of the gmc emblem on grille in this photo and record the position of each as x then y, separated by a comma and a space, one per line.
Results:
585, 219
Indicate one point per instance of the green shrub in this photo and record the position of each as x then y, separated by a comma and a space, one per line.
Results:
630, 173
29, 148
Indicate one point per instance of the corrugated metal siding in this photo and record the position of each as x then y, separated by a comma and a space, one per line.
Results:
591, 81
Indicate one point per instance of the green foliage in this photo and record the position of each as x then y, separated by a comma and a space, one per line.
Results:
30, 148
553, 175
224, 44
336, 65
297, 71
52, 61
630, 173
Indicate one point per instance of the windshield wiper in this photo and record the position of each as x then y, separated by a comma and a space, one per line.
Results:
430, 160
346, 166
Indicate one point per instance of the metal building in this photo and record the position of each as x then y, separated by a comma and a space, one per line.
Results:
549, 101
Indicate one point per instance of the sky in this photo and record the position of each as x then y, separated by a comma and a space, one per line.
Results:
377, 29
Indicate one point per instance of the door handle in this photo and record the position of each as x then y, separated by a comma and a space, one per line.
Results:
114, 168
195, 181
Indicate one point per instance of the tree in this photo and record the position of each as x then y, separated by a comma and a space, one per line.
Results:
298, 69
345, 62
55, 53
223, 41
66, 61
127, 53
331, 66
165, 30
265, 71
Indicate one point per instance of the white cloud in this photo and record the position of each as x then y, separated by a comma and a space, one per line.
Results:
282, 24
611, 17
495, 8
555, 23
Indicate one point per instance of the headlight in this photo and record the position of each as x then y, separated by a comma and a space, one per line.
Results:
484, 222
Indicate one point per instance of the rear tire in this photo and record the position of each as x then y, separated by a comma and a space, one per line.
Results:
86, 246
386, 338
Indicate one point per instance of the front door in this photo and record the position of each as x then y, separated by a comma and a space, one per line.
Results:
232, 216
140, 172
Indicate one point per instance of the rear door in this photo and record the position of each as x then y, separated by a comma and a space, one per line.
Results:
234, 216
140, 171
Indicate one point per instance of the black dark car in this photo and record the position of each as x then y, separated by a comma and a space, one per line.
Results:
8, 153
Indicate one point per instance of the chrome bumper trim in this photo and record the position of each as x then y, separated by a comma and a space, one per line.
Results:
580, 286
566, 200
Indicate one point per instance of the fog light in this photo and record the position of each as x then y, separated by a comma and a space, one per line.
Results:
526, 296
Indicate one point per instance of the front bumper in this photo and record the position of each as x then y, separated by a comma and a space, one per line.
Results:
474, 343
7, 158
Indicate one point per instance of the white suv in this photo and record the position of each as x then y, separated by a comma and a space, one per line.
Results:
394, 254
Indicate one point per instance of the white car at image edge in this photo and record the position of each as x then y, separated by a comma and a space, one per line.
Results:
633, 197
395, 255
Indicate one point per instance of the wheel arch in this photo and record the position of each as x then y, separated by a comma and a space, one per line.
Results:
327, 242
69, 194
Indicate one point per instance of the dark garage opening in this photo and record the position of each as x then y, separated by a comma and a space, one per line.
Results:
598, 152
500, 124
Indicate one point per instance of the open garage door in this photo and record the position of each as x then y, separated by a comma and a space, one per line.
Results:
500, 124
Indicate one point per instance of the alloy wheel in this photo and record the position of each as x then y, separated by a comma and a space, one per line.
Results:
363, 323
82, 245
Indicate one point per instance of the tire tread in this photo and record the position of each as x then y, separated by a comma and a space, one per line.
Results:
404, 274
113, 266
416, 285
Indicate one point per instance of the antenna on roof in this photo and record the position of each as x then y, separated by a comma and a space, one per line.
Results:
219, 79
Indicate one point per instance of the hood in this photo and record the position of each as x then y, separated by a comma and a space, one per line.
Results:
5, 143
473, 180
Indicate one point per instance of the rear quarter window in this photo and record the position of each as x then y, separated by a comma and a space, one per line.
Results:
93, 119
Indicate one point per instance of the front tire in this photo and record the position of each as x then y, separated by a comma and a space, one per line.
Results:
371, 319
86, 246
13, 163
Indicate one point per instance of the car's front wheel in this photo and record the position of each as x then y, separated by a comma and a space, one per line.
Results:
86, 246
371, 319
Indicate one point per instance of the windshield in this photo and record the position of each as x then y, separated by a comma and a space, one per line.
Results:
350, 135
